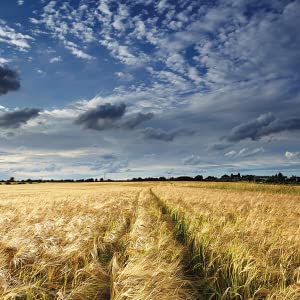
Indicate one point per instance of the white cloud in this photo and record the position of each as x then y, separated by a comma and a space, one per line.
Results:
162, 5
253, 152
242, 151
291, 155
193, 75
77, 52
34, 21
245, 152
118, 24
55, 59
63, 20
20, 2
227, 56
41, 72
230, 153
4, 61
124, 76
9, 36
103, 7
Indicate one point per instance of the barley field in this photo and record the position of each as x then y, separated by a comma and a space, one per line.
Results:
143, 241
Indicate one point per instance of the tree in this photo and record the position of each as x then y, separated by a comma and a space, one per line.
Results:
280, 177
199, 177
293, 179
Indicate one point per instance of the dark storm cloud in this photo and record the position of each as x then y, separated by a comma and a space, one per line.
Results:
251, 129
162, 135
102, 117
9, 80
17, 118
264, 125
111, 116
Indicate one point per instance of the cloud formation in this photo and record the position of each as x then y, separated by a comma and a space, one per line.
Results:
111, 116
291, 155
244, 152
109, 164
136, 119
264, 125
10, 36
9, 80
55, 59
194, 64
192, 160
102, 117
17, 118
166, 136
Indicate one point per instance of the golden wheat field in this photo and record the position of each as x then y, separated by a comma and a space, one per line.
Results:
147, 241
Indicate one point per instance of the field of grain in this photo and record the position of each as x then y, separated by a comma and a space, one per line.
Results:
147, 241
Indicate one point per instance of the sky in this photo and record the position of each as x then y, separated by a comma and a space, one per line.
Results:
122, 89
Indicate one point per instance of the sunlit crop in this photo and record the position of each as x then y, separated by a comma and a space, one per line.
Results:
149, 241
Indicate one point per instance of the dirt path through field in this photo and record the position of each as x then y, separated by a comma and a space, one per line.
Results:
152, 265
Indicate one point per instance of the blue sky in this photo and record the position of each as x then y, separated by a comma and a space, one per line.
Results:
149, 88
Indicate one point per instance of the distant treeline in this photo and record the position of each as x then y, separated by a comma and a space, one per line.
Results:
278, 178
